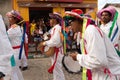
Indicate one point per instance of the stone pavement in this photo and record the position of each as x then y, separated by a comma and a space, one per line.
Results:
38, 70
38, 66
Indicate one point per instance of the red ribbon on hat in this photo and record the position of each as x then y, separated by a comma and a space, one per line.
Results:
78, 11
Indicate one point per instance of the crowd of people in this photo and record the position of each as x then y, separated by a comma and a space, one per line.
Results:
97, 47
37, 29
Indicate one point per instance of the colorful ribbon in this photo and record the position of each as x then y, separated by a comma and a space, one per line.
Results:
86, 74
22, 42
113, 24
84, 77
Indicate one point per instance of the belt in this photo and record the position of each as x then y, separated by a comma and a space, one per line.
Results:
16, 47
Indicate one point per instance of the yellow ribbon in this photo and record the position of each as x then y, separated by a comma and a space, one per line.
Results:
84, 77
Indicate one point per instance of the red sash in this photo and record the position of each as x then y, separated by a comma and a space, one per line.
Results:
50, 70
16, 47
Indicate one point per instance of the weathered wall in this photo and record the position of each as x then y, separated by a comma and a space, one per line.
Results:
5, 6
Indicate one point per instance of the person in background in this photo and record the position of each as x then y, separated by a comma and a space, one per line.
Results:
99, 56
15, 34
42, 25
56, 43
38, 33
110, 25
32, 29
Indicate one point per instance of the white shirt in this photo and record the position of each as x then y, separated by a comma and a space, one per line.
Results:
55, 37
100, 54
115, 33
6, 51
106, 28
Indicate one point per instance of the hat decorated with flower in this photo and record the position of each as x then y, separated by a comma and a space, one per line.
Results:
56, 16
15, 14
75, 13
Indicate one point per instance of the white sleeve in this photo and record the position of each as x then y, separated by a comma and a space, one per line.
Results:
6, 50
55, 39
96, 51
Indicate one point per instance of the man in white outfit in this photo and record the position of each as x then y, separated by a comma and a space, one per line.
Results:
110, 25
15, 34
100, 56
56, 43
6, 51
7, 62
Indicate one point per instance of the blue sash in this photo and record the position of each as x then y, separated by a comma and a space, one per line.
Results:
22, 41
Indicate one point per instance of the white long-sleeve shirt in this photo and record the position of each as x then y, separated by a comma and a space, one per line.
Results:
6, 51
115, 33
55, 41
100, 54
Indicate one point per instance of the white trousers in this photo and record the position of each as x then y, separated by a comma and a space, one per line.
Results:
23, 61
58, 72
16, 74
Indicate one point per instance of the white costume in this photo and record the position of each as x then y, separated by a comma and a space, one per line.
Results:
115, 33
12, 73
6, 51
15, 35
100, 55
55, 41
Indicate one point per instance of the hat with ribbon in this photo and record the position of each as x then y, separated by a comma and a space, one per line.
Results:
76, 13
73, 15
56, 16
109, 9
15, 14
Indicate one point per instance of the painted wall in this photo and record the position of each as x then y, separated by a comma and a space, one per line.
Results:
5, 6
25, 10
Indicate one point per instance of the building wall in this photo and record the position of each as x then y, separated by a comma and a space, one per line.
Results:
5, 6
25, 9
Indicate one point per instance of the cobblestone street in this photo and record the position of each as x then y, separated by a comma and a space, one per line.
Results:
38, 70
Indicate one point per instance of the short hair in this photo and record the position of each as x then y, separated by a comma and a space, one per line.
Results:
108, 13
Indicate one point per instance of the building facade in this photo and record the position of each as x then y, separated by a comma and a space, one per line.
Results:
36, 9
5, 6
30, 8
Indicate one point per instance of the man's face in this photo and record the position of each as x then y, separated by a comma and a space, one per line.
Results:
106, 17
74, 26
52, 22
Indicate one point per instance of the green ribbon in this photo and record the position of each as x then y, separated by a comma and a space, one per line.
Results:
114, 20
111, 29
118, 52
12, 59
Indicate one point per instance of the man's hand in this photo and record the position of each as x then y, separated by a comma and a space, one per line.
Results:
41, 46
74, 56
